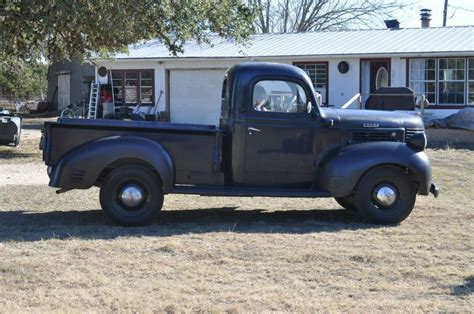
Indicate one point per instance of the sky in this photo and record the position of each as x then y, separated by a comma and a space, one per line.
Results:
460, 12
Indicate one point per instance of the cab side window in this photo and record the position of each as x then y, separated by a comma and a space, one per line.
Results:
279, 96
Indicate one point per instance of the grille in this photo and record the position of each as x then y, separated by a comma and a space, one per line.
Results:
410, 132
369, 136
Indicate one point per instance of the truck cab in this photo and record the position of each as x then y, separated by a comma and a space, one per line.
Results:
273, 140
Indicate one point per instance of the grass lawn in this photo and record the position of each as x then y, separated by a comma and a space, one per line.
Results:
58, 252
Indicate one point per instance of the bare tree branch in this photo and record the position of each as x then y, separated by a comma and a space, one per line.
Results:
311, 15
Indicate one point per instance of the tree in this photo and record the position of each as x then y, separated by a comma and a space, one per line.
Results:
65, 29
22, 80
320, 15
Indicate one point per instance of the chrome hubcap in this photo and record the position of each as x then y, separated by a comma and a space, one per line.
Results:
131, 195
385, 195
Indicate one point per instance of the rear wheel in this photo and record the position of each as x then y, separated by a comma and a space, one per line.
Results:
346, 202
385, 195
131, 196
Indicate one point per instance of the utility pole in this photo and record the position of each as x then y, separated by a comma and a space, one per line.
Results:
445, 12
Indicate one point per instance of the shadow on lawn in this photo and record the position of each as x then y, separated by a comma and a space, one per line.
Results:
30, 226
10, 154
466, 288
33, 126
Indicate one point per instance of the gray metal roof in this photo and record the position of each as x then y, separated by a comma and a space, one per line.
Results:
409, 41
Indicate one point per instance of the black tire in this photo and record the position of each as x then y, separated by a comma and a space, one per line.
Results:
143, 213
346, 202
396, 179
17, 139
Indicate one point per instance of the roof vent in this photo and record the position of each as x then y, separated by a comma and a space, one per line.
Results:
425, 15
392, 24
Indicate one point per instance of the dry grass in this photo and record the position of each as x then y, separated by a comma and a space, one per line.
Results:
58, 253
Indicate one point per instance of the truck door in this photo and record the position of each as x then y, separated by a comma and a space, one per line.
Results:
279, 136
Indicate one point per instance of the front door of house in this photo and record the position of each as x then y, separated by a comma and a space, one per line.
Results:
375, 73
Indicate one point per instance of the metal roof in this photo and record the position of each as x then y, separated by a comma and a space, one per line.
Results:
408, 41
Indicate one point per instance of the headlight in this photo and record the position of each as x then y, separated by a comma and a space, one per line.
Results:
418, 141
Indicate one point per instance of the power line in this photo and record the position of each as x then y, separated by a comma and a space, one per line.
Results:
460, 8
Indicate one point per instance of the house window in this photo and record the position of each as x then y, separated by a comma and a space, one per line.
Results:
451, 81
470, 80
423, 77
444, 81
117, 82
318, 73
133, 87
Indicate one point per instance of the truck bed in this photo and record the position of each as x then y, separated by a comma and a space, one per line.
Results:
196, 156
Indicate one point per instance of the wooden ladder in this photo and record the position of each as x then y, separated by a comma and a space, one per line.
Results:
93, 101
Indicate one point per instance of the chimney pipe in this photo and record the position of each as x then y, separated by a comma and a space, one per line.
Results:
392, 24
425, 17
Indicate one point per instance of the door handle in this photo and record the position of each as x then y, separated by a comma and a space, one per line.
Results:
253, 129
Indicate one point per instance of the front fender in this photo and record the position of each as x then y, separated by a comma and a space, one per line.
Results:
340, 170
80, 168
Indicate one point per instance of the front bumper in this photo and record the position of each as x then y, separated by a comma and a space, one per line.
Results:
434, 189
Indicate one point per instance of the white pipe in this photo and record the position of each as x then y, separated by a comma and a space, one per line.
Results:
350, 101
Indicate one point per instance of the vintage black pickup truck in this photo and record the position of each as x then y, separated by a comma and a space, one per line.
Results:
273, 140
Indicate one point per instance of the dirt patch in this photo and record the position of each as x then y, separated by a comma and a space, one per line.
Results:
30, 173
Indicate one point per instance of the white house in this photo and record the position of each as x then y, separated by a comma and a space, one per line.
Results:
436, 62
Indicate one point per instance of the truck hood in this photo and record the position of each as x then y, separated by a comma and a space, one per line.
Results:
372, 118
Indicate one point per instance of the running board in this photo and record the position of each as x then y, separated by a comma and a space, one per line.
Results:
208, 190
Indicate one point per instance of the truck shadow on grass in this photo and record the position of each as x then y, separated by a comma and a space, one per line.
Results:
92, 224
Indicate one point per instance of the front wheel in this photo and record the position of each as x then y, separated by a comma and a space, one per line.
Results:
385, 195
131, 196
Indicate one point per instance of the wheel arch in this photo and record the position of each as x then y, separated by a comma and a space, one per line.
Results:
133, 161
341, 169
87, 164
408, 171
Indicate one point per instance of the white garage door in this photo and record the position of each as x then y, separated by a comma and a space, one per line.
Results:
195, 96
64, 91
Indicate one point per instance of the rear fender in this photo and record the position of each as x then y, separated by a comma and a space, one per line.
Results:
80, 168
340, 170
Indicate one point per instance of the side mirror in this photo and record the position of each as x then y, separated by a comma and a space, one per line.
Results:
309, 107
